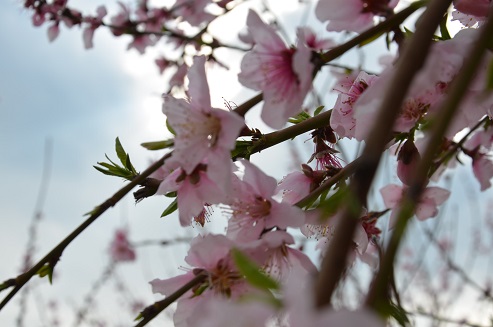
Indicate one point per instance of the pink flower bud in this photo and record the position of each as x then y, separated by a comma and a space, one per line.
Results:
407, 161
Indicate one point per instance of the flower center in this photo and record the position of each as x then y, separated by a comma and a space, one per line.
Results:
222, 278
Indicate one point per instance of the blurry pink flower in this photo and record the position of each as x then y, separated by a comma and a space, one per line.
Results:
281, 258
300, 309
407, 161
478, 147
323, 228
193, 12
342, 119
93, 24
141, 42
163, 63
478, 8
232, 314
352, 15
313, 42
253, 208
178, 78
427, 206
203, 133
283, 74
466, 20
53, 32
120, 249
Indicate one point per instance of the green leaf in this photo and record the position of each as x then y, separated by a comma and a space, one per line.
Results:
139, 317
170, 129
158, 145
170, 209
113, 169
129, 166
332, 203
46, 270
408, 32
443, 28
242, 149
318, 110
302, 116
120, 152
398, 313
388, 41
252, 272
171, 194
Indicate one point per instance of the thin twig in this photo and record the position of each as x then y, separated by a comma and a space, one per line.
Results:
53, 256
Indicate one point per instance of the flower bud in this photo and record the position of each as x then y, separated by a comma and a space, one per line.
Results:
407, 161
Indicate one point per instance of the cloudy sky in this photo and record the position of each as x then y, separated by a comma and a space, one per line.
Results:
76, 102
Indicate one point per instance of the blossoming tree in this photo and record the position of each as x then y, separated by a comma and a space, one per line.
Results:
429, 106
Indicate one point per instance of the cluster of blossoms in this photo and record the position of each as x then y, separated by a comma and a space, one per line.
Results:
146, 24
262, 213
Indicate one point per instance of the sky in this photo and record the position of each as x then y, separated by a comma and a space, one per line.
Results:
75, 102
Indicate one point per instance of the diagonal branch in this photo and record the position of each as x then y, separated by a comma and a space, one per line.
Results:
53, 256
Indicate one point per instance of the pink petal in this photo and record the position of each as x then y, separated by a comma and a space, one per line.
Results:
169, 286
198, 88
392, 195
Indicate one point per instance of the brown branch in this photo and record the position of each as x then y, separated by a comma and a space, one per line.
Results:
153, 310
442, 120
53, 256
411, 61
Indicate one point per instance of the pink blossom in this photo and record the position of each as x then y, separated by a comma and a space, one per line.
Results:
427, 207
178, 78
478, 8
163, 63
415, 106
283, 74
352, 15
194, 191
53, 32
120, 249
93, 24
121, 21
232, 314
281, 258
141, 42
478, 147
466, 20
294, 187
323, 228
193, 12
301, 311
203, 133
407, 162
314, 42
210, 254
298, 184
342, 119
482, 167
253, 208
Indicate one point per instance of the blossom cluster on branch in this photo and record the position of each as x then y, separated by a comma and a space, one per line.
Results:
253, 274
